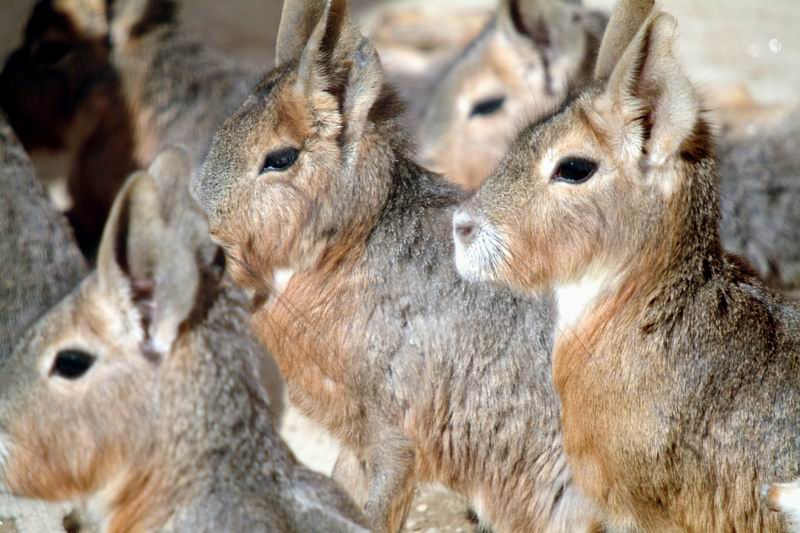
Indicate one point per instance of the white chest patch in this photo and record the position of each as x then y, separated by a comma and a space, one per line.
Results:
574, 299
5, 450
788, 502
98, 506
280, 279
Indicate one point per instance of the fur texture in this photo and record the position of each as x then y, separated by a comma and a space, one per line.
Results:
106, 86
421, 376
678, 372
760, 191
38, 257
170, 428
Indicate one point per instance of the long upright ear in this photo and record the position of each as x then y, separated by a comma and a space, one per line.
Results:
130, 19
172, 171
364, 85
338, 60
299, 19
627, 18
651, 95
542, 22
144, 261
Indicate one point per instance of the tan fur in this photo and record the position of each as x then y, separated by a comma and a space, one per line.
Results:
531, 55
417, 43
170, 428
626, 20
89, 17
669, 355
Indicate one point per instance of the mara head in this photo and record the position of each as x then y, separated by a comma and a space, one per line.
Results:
624, 168
79, 394
60, 81
293, 170
519, 69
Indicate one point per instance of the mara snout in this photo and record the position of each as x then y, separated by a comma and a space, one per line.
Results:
479, 245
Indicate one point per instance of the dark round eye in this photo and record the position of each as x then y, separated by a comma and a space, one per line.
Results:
574, 170
488, 106
51, 52
280, 159
72, 364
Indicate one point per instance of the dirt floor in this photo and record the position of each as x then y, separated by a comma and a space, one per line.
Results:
754, 44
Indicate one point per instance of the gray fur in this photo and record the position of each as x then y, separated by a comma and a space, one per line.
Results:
445, 381
191, 429
760, 193
679, 377
38, 257
188, 89
475, 359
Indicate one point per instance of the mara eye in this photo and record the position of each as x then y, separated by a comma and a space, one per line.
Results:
574, 170
280, 159
71, 364
51, 52
489, 106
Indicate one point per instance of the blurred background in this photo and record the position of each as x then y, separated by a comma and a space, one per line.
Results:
755, 42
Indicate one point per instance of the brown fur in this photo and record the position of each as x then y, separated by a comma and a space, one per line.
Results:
347, 252
677, 369
170, 428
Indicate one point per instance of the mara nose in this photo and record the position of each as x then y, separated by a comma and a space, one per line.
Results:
464, 227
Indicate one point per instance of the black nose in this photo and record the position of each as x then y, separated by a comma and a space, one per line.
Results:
465, 229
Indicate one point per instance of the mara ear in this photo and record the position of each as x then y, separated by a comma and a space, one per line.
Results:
362, 90
338, 60
627, 18
538, 21
88, 17
172, 172
299, 19
649, 91
130, 19
145, 262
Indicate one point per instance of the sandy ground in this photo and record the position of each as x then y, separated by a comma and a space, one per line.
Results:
751, 43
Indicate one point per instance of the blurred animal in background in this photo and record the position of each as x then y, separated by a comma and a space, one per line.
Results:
345, 243
760, 191
498, 85
678, 371
416, 43
38, 256
520, 68
141, 394
103, 86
